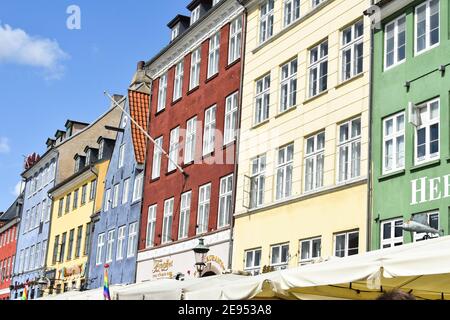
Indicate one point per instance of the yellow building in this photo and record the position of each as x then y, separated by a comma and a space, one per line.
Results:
75, 200
303, 157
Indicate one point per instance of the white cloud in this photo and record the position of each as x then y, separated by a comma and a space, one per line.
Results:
4, 145
20, 48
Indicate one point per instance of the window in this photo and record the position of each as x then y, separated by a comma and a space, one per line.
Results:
394, 143
125, 191
195, 15
115, 201
93, 190
138, 186
279, 258
107, 200
151, 226
314, 162
110, 246
309, 250
157, 154
253, 261
174, 151
427, 21
427, 137
395, 42
284, 172
346, 244
191, 134
225, 201
213, 57
75, 199
60, 207
83, 194
68, 203
210, 131
318, 69
43, 252
132, 240
391, 233
234, 50
291, 11
262, 99
122, 156
432, 219
63, 247
349, 150
78, 244
101, 149
121, 243
266, 21
27, 259
203, 209
100, 246
185, 212
175, 32
168, 220
55, 250
162, 93
21, 261
231, 113
87, 239
178, 82
288, 85
194, 80
352, 50
70, 247
32, 252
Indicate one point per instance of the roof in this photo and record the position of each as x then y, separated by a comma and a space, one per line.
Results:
139, 110
12, 212
177, 19
68, 122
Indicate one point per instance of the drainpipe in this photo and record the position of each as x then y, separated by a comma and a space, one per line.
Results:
236, 157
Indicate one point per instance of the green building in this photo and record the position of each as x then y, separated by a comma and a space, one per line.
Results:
410, 119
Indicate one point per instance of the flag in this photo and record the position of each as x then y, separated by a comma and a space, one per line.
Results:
25, 293
106, 293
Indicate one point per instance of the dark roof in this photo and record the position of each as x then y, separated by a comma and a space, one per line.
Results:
177, 19
139, 110
103, 138
58, 132
89, 148
12, 212
68, 122
191, 6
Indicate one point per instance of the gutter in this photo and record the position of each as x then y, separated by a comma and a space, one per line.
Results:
236, 165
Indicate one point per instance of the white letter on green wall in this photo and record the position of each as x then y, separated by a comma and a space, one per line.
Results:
435, 193
422, 191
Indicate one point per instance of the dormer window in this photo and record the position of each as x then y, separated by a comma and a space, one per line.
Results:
195, 15
175, 31
77, 164
88, 157
101, 148
215, 2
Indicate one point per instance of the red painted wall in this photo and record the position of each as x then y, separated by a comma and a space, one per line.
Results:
210, 92
7, 257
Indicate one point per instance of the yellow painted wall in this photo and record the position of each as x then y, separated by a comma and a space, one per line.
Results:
75, 218
323, 214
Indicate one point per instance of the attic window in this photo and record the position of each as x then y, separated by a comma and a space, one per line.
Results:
195, 15
88, 157
175, 31
101, 147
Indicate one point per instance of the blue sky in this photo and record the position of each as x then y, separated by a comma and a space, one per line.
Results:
49, 74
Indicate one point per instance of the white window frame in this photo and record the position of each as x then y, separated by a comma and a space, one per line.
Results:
398, 29
138, 187
110, 246
194, 77
157, 157
317, 66
132, 240
283, 169
178, 81
174, 149
279, 265
209, 134
204, 208
191, 140
195, 15
235, 42
266, 21
347, 239
231, 114
258, 181
417, 237
262, 99
291, 9
168, 221
254, 268
125, 190
162, 93
100, 246
352, 46
214, 55
121, 236
311, 256
398, 132
288, 85
427, 126
151, 226
185, 212
107, 200
392, 241
427, 27
315, 3
115, 200
225, 201
122, 155
317, 157
351, 143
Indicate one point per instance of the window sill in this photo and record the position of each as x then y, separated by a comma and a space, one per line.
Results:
155, 179
232, 64
171, 172
317, 96
428, 164
159, 112
354, 78
208, 155
191, 91
286, 111
211, 78
174, 102
392, 174
261, 124
229, 144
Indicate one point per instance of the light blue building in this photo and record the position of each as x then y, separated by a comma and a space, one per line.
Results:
116, 227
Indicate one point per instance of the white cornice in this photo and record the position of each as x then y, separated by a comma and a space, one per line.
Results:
193, 38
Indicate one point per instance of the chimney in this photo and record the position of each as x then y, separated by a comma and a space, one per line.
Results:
116, 98
141, 81
140, 65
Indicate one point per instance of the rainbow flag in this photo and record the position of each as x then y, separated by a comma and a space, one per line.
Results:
106, 293
25, 293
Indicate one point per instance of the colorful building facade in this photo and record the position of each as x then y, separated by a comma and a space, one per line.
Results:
410, 120
115, 233
303, 151
193, 116
9, 231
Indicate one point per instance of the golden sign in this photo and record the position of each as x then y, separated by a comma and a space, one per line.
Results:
160, 266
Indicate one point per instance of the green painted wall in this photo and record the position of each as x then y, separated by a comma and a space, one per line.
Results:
392, 194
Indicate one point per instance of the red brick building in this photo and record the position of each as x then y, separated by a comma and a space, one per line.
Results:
9, 228
194, 118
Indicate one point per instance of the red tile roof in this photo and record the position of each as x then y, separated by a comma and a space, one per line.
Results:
139, 109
